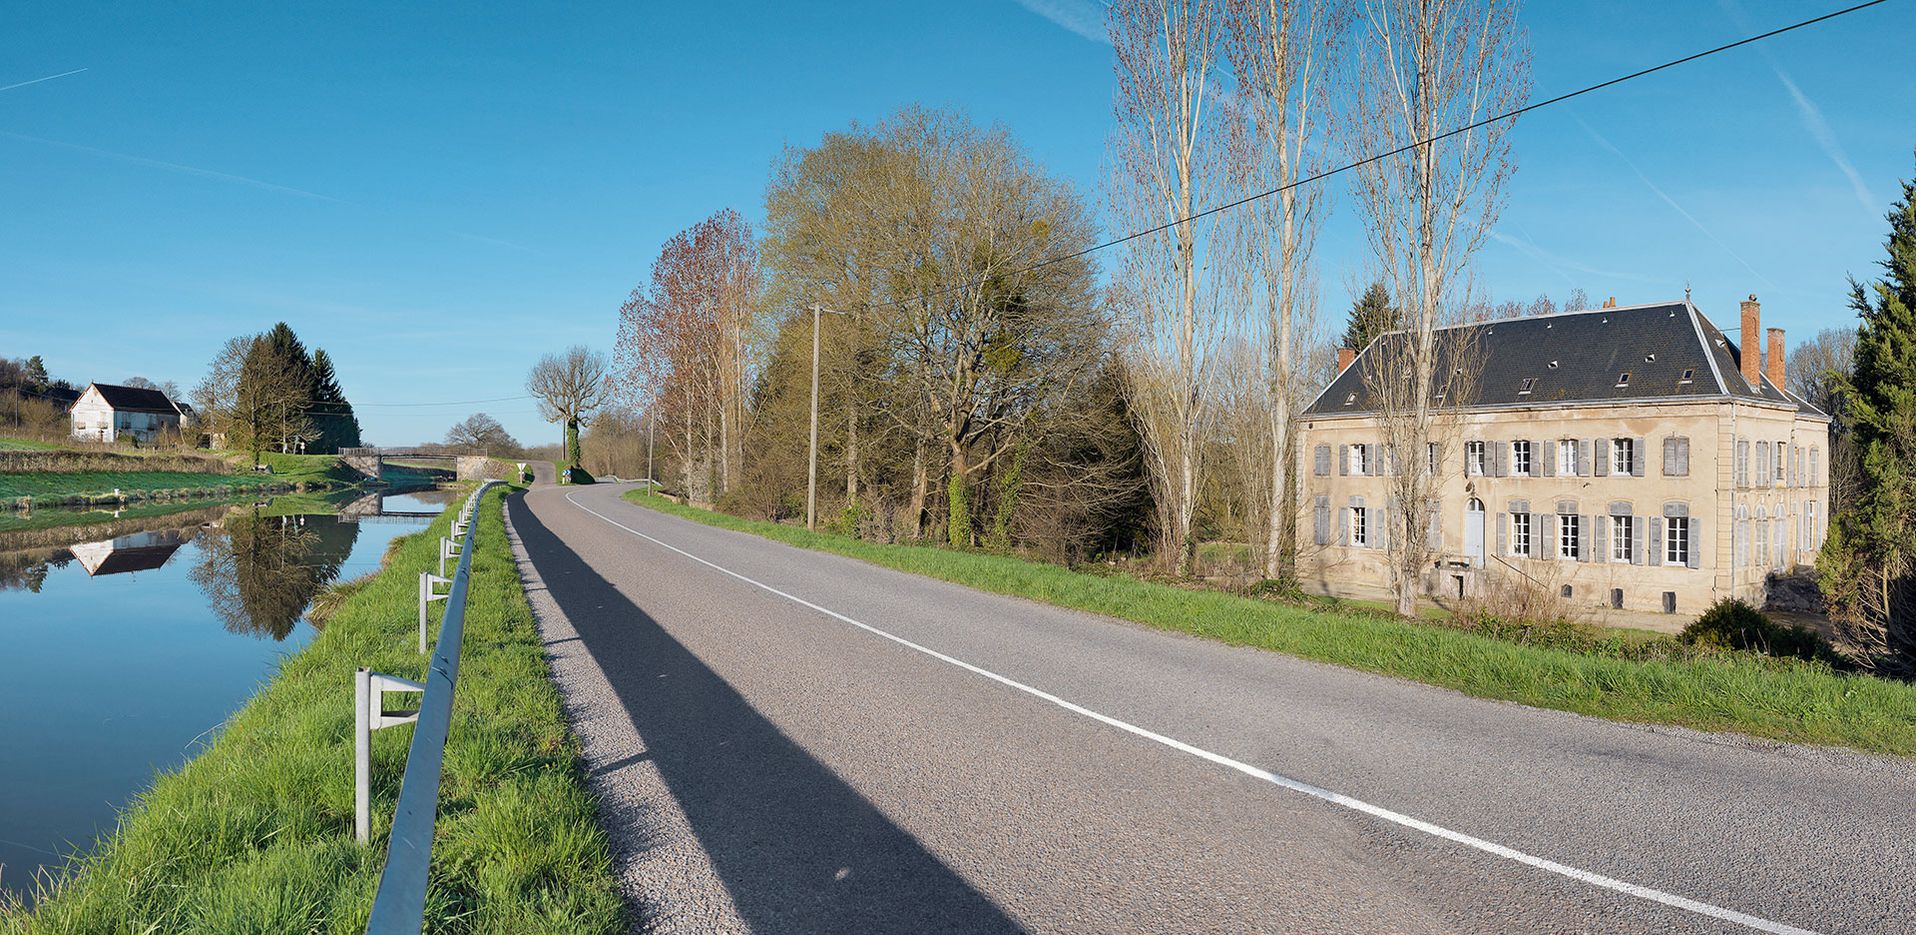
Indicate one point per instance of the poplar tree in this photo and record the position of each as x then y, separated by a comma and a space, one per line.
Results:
1869, 560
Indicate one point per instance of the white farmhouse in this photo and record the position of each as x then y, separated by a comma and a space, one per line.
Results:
105, 413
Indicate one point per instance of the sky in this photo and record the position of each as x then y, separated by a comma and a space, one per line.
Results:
439, 194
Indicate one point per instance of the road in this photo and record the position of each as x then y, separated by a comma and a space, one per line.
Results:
789, 741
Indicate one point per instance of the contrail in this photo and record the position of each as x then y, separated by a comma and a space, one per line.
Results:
175, 167
38, 80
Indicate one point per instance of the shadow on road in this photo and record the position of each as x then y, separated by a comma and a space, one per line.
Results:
797, 848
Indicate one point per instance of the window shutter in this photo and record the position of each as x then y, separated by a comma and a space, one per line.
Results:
1343, 460
1537, 451
1600, 533
1549, 449
1545, 544
1694, 547
1669, 457
1321, 518
1503, 534
1683, 455
1434, 535
1343, 525
1657, 548
1583, 457
1585, 548
1537, 524
1636, 543
1381, 536
1601, 463
1638, 455
1321, 460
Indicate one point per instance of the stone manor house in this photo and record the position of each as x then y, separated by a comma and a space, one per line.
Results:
1632, 458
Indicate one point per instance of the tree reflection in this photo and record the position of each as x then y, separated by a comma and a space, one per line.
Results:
259, 572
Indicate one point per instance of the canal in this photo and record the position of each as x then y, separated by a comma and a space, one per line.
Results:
127, 638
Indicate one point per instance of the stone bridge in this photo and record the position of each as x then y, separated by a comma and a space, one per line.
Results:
372, 461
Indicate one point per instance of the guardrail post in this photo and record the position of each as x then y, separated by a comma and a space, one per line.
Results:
448, 548
370, 714
426, 596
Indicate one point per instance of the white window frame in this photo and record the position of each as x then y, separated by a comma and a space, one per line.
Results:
1430, 458
1521, 462
1676, 540
1568, 526
1520, 534
1359, 460
1360, 527
1623, 456
1622, 549
1475, 460
1567, 457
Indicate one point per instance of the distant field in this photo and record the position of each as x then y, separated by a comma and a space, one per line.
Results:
25, 444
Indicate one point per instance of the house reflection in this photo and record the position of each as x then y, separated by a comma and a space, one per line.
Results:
141, 551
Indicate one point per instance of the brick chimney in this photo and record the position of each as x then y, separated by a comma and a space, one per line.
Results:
1344, 357
1610, 302
1775, 369
1748, 351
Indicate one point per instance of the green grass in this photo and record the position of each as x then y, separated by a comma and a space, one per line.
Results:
255, 833
27, 444
91, 484
1731, 691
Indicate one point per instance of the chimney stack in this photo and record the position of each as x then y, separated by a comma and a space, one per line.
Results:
1775, 369
1344, 357
1610, 302
1748, 352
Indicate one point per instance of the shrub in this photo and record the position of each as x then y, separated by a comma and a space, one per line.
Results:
1731, 623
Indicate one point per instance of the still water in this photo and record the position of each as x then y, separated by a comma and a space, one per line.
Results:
125, 643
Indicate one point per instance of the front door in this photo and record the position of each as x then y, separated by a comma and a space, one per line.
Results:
1474, 531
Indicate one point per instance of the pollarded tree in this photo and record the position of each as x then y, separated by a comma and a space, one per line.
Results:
483, 434
1869, 561
570, 388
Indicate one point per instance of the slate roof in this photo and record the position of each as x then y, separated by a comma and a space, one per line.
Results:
132, 399
1669, 350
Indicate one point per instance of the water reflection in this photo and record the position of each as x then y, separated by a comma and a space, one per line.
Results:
127, 637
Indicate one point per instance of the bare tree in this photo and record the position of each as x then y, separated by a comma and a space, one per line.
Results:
1815, 371
483, 434
570, 387
1425, 68
1170, 154
1280, 50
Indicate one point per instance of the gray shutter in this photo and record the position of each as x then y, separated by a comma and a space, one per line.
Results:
1586, 534
1343, 525
1343, 460
1583, 457
1502, 452
1382, 535
1434, 535
1636, 543
1536, 451
1600, 534
1600, 465
1503, 533
1549, 449
1321, 518
1683, 456
1669, 457
1656, 542
1545, 545
1694, 548
1536, 535
1638, 455
1321, 460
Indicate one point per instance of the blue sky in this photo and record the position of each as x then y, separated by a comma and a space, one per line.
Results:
437, 196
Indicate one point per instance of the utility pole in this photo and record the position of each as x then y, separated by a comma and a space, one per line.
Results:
651, 428
811, 469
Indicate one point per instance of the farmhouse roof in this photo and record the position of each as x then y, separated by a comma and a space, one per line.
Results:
134, 399
1661, 352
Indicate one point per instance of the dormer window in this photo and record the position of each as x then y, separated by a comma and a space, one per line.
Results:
1528, 384
1623, 379
1689, 376
1350, 399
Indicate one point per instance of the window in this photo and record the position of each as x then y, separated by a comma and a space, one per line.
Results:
1669, 602
1623, 379
1623, 456
1616, 598
1689, 376
1433, 458
1529, 383
1762, 464
1814, 457
1742, 462
1567, 530
1520, 534
1520, 458
1358, 458
1360, 531
1474, 458
1621, 528
1676, 540
1567, 457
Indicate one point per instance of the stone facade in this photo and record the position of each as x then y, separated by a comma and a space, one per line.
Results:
1655, 506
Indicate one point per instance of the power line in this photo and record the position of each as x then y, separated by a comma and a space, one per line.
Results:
1508, 115
455, 402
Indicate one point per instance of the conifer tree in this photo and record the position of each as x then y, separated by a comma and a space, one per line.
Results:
1371, 315
1869, 561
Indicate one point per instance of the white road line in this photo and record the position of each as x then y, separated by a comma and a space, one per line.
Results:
1335, 798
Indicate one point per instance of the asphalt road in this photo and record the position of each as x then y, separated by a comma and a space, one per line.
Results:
904, 755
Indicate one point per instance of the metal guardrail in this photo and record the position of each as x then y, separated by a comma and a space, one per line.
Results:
400, 903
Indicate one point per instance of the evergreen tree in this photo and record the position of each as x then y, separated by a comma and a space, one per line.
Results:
36, 377
1869, 560
339, 427
1371, 315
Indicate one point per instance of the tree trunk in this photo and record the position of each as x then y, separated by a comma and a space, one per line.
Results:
920, 482
958, 527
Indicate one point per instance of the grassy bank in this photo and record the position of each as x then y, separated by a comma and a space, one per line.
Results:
130, 476
255, 834
1755, 695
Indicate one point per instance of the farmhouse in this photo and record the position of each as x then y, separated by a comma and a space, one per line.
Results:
1625, 457
106, 412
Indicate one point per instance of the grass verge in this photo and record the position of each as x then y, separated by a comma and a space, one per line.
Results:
255, 833
1779, 699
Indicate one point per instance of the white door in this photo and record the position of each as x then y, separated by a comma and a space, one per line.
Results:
1474, 531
